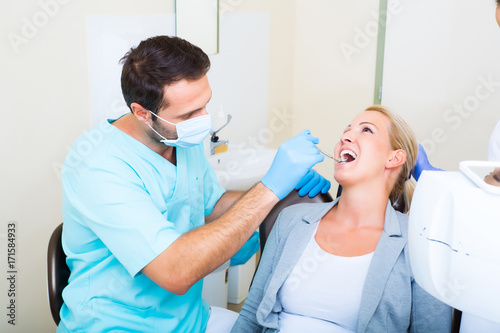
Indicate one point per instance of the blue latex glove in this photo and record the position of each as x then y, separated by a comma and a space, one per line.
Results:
292, 162
422, 163
313, 183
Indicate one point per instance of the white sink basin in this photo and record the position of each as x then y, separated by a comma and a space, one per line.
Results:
241, 167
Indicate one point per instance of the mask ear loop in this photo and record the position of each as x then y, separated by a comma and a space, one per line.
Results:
157, 116
161, 136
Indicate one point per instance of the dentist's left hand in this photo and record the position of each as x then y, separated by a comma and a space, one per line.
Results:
313, 183
292, 162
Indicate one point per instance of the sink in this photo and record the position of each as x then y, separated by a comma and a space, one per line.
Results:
241, 167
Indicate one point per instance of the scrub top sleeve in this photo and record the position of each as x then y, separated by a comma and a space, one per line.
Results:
119, 210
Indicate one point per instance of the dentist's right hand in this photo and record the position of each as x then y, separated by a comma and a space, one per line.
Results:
293, 160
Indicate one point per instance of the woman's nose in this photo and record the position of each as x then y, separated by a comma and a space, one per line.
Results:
345, 137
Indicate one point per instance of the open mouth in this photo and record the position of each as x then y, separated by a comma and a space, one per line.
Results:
347, 156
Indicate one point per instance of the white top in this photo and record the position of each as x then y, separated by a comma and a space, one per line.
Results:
494, 145
323, 292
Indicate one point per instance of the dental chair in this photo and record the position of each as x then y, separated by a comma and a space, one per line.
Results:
57, 273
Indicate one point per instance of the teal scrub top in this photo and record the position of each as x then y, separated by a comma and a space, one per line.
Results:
123, 205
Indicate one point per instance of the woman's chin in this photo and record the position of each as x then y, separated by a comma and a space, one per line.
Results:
343, 179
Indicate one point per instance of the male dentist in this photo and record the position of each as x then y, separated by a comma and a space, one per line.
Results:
135, 206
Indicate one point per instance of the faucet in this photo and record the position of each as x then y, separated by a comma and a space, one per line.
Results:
214, 139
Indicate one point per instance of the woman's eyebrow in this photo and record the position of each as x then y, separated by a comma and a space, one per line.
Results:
366, 122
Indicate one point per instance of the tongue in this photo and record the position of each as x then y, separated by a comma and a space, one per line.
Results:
349, 158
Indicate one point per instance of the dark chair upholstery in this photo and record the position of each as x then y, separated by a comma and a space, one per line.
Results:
456, 318
57, 273
291, 199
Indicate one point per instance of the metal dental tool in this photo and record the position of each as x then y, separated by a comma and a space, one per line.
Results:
330, 156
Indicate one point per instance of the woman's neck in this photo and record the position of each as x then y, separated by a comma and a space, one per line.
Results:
353, 227
362, 206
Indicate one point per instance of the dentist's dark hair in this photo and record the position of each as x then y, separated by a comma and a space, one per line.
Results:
156, 63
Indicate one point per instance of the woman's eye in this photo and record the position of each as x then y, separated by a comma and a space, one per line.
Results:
367, 129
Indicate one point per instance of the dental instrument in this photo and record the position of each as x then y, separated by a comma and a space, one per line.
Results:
330, 156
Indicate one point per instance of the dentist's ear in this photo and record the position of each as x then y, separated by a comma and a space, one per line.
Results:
141, 113
397, 158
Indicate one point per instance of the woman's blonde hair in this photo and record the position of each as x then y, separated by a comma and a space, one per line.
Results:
402, 137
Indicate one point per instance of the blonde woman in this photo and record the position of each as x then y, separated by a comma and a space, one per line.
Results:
343, 266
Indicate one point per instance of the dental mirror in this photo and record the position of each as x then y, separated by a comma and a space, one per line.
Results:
330, 156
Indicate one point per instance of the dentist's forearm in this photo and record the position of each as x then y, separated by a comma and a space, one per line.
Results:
226, 201
197, 253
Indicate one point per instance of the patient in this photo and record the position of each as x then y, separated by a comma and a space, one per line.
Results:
343, 266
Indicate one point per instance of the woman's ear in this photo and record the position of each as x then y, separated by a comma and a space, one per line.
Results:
397, 158
140, 113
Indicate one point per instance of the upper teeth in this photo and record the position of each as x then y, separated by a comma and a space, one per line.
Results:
347, 152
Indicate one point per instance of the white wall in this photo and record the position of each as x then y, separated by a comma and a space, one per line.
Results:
321, 67
46, 104
441, 73
334, 68
281, 59
239, 78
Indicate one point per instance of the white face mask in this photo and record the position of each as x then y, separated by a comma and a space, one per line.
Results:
190, 132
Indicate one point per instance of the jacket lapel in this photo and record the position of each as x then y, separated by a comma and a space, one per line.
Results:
296, 241
388, 249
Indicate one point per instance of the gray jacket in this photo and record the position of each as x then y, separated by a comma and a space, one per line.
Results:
391, 300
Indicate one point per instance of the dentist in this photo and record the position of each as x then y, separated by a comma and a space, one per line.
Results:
144, 217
